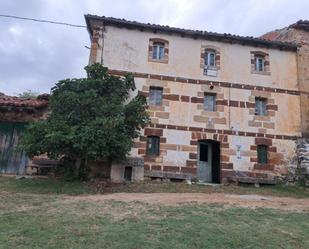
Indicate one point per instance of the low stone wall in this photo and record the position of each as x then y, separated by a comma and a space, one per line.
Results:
303, 155
132, 169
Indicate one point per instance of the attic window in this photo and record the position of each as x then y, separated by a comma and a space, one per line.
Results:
260, 63
210, 57
210, 60
158, 50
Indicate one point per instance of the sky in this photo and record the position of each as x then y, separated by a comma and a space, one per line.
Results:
34, 56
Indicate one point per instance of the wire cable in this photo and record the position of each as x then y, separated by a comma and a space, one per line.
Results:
44, 21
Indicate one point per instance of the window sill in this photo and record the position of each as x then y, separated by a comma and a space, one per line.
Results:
264, 166
261, 118
210, 113
164, 61
155, 107
152, 158
260, 72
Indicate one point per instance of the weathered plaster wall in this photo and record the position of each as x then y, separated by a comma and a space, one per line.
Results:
298, 34
128, 50
181, 120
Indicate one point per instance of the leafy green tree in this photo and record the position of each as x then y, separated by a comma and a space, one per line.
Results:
90, 118
29, 94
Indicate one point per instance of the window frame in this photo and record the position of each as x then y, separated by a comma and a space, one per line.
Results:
257, 63
214, 98
153, 141
262, 154
155, 101
158, 51
263, 109
207, 60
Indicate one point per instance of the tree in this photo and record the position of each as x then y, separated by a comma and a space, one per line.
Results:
29, 94
90, 118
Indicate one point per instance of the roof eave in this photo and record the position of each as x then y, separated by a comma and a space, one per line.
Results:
228, 38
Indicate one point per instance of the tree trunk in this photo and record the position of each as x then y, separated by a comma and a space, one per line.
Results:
78, 163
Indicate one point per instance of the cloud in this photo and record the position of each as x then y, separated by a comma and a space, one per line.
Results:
36, 55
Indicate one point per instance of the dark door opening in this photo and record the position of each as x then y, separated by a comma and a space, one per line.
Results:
12, 159
208, 161
128, 174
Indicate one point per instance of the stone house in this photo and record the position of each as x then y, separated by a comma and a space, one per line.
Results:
221, 105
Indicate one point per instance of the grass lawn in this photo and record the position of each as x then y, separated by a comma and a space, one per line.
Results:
39, 213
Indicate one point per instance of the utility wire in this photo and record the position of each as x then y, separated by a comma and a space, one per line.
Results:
44, 21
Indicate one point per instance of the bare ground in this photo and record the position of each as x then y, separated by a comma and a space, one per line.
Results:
174, 199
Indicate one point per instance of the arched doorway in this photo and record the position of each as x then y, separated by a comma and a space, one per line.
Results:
208, 161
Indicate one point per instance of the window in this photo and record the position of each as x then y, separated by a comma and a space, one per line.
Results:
155, 96
210, 102
158, 51
259, 63
260, 106
210, 57
262, 155
153, 144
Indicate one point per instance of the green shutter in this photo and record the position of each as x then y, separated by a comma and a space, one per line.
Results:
262, 154
153, 144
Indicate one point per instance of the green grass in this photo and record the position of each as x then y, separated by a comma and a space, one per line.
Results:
43, 186
173, 187
54, 186
52, 221
44, 213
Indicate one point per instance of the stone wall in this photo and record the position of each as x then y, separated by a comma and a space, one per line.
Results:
303, 157
181, 121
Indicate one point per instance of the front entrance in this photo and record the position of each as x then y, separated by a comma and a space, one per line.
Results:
208, 164
12, 159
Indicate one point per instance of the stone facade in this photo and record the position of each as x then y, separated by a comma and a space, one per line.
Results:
299, 33
181, 121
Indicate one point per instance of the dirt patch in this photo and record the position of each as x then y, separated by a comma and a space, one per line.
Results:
173, 199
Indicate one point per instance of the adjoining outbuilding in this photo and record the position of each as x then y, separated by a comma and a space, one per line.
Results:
15, 114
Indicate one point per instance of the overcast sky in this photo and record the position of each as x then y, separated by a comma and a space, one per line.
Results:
34, 56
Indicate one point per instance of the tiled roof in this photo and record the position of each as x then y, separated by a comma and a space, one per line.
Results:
229, 38
301, 24
40, 102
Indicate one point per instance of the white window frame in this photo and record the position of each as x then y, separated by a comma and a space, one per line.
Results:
156, 98
207, 59
257, 63
158, 51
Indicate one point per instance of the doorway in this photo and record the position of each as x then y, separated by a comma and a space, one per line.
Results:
128, 174
208, 164
12, 159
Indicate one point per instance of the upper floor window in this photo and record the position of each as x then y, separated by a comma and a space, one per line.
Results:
158, 50
153, 146
262, 154
210, 59
260, 106
210, 102
155, 95
259, 63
